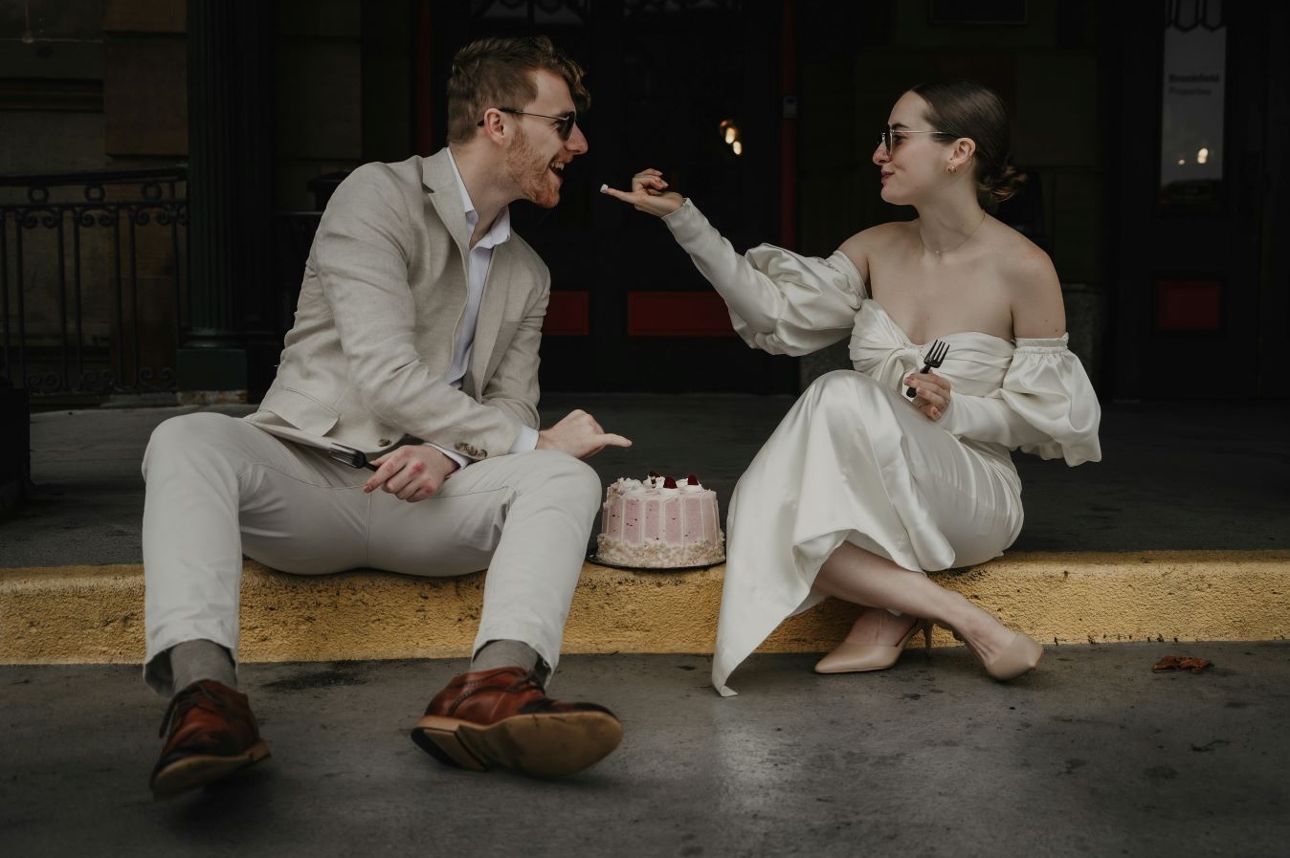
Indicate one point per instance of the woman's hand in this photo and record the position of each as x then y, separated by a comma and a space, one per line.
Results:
933, 393
648, 194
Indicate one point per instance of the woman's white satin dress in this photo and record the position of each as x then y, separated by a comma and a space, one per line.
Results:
853, 460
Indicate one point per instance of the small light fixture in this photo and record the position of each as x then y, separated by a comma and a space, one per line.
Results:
1202, 156
730, 136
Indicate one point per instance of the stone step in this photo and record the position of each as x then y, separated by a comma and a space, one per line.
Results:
94, 614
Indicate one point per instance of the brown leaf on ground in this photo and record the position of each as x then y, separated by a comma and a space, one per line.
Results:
1173, 662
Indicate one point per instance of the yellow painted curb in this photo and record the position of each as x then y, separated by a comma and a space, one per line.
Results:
94, 614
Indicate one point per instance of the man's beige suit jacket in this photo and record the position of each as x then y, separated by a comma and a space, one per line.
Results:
382, 299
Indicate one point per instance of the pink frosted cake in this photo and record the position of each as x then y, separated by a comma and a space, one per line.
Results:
658, 524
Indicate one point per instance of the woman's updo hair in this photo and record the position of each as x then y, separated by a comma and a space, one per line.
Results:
963, 108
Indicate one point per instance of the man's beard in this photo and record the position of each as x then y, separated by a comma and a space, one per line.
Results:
529, 174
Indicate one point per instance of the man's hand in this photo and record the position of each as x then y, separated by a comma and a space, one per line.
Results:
579, 435
411, 473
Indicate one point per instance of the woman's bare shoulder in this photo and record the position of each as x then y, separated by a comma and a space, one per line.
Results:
1024, 266
871, 243
1033, 286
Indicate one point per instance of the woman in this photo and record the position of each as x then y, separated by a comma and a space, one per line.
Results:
862, 489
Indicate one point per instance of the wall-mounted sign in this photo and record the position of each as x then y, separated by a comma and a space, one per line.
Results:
1192, 99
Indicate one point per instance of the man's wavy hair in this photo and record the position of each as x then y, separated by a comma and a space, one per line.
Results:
498, 72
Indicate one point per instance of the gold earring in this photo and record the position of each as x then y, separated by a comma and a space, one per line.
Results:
951, 168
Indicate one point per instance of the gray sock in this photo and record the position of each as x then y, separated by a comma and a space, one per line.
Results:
192, 661
503, 653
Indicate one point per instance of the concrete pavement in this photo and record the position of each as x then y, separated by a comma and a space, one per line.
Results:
1092, 754
1174, 476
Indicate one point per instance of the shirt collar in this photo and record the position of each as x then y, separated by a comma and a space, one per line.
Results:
499, 232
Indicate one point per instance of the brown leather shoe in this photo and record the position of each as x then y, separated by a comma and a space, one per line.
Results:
212, 734
503, 718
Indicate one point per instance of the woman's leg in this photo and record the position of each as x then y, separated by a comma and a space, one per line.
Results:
855, 575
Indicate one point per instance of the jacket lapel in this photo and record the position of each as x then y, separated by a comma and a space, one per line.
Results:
442, 195
492, 310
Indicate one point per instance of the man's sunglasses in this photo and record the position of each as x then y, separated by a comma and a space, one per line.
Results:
563, 124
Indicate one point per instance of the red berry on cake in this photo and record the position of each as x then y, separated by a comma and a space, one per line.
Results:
669, 483
692, 480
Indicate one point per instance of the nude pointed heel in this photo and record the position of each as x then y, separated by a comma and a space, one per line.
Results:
1019, 657
863, 658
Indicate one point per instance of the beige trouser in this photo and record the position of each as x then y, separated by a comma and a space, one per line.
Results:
218, 488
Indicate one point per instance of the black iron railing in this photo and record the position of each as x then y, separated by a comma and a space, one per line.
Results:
92, 280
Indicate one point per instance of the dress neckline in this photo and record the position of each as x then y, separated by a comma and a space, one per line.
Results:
877, 304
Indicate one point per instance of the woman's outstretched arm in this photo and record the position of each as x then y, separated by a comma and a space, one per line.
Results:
779, 301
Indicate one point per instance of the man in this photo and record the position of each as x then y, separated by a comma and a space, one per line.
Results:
415, 347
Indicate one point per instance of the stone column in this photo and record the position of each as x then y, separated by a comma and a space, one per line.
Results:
229, 348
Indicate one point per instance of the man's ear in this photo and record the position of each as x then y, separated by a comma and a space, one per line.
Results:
495, 125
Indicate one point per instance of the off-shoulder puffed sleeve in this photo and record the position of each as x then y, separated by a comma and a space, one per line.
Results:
779, 301
1046, 406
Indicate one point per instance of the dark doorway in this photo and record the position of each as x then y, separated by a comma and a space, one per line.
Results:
1203, 262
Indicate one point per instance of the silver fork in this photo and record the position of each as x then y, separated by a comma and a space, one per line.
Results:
936, 353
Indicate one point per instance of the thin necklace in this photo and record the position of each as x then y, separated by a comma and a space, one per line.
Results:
955, 247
